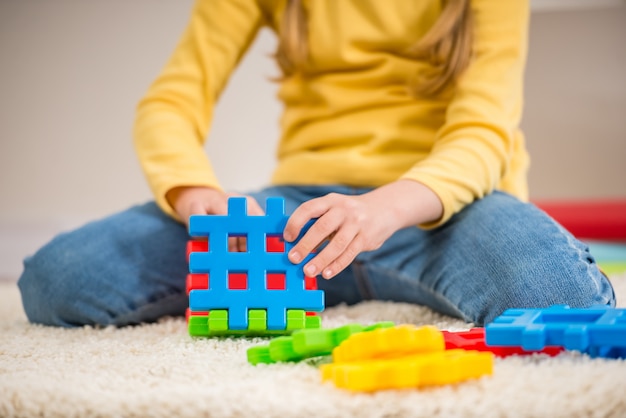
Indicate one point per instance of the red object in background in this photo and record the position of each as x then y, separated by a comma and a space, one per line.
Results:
474, 339
600, 220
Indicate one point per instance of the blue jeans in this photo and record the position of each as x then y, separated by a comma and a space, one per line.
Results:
497, 253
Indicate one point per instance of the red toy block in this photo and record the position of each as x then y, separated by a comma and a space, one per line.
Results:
196, 245
197, 281
274, 244
599, 219
474, 339
275, 281
237, 281
310, 283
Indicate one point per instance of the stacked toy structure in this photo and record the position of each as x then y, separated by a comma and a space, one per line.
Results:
254, 292
260, 292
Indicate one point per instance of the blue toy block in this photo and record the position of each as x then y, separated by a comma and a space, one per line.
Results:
256, 263
599, 331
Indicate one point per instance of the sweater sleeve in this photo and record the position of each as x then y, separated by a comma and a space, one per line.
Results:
173, 118
474, 147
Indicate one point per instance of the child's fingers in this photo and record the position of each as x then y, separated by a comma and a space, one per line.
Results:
305, 212
339, 252
237, 244
321, 229
344, 259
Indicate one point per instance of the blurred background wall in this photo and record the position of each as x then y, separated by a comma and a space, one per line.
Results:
72, 71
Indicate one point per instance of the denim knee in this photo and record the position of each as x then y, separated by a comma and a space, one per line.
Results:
570, 288
54, 290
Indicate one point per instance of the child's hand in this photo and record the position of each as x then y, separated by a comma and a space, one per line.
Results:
188, 201
353, 224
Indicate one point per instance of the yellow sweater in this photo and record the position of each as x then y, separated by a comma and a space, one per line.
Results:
352, 120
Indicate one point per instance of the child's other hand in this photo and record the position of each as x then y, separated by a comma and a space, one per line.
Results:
188, 201
353, 224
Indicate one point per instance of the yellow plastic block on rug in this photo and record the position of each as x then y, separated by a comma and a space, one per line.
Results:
389, 343
412, 371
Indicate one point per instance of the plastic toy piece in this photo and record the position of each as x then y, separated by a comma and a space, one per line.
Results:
257, 320
255, 263
413, 371
198, 325
474, 339
237, 281
389, 342
216, 324
307, 343
601, 219
197, 281
598, 330
197, 246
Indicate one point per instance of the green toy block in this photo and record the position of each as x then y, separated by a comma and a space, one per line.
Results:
259, 354
257, 320
295, 319
281, 349
198, 326
216, 324
307, 343
218, 321
313, 322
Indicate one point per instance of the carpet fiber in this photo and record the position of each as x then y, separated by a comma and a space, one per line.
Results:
157, 370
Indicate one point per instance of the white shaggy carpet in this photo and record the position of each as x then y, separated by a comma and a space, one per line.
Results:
159, 371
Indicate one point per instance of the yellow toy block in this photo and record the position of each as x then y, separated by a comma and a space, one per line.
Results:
412, 371
389, 343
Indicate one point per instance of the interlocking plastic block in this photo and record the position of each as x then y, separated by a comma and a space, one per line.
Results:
412, 371
189, 314
216, 324
389, 342
198, 325
196, 246
257, 320
310, 283
595, 330
307, 343
197, 281
474, 339
256, 263
218, 321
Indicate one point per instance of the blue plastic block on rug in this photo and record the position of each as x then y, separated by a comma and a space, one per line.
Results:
256, 263
599, 331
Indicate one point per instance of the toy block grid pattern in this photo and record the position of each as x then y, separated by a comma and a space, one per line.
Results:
474, 339
599, 331
259, 279
402, 357
307, 343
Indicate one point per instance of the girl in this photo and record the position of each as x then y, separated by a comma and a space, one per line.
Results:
400, 134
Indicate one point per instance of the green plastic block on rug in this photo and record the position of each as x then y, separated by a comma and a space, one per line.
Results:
307, 343
198, 326
216, 324
257, 320
218, 321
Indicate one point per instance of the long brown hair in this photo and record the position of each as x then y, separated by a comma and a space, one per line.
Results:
447, 45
